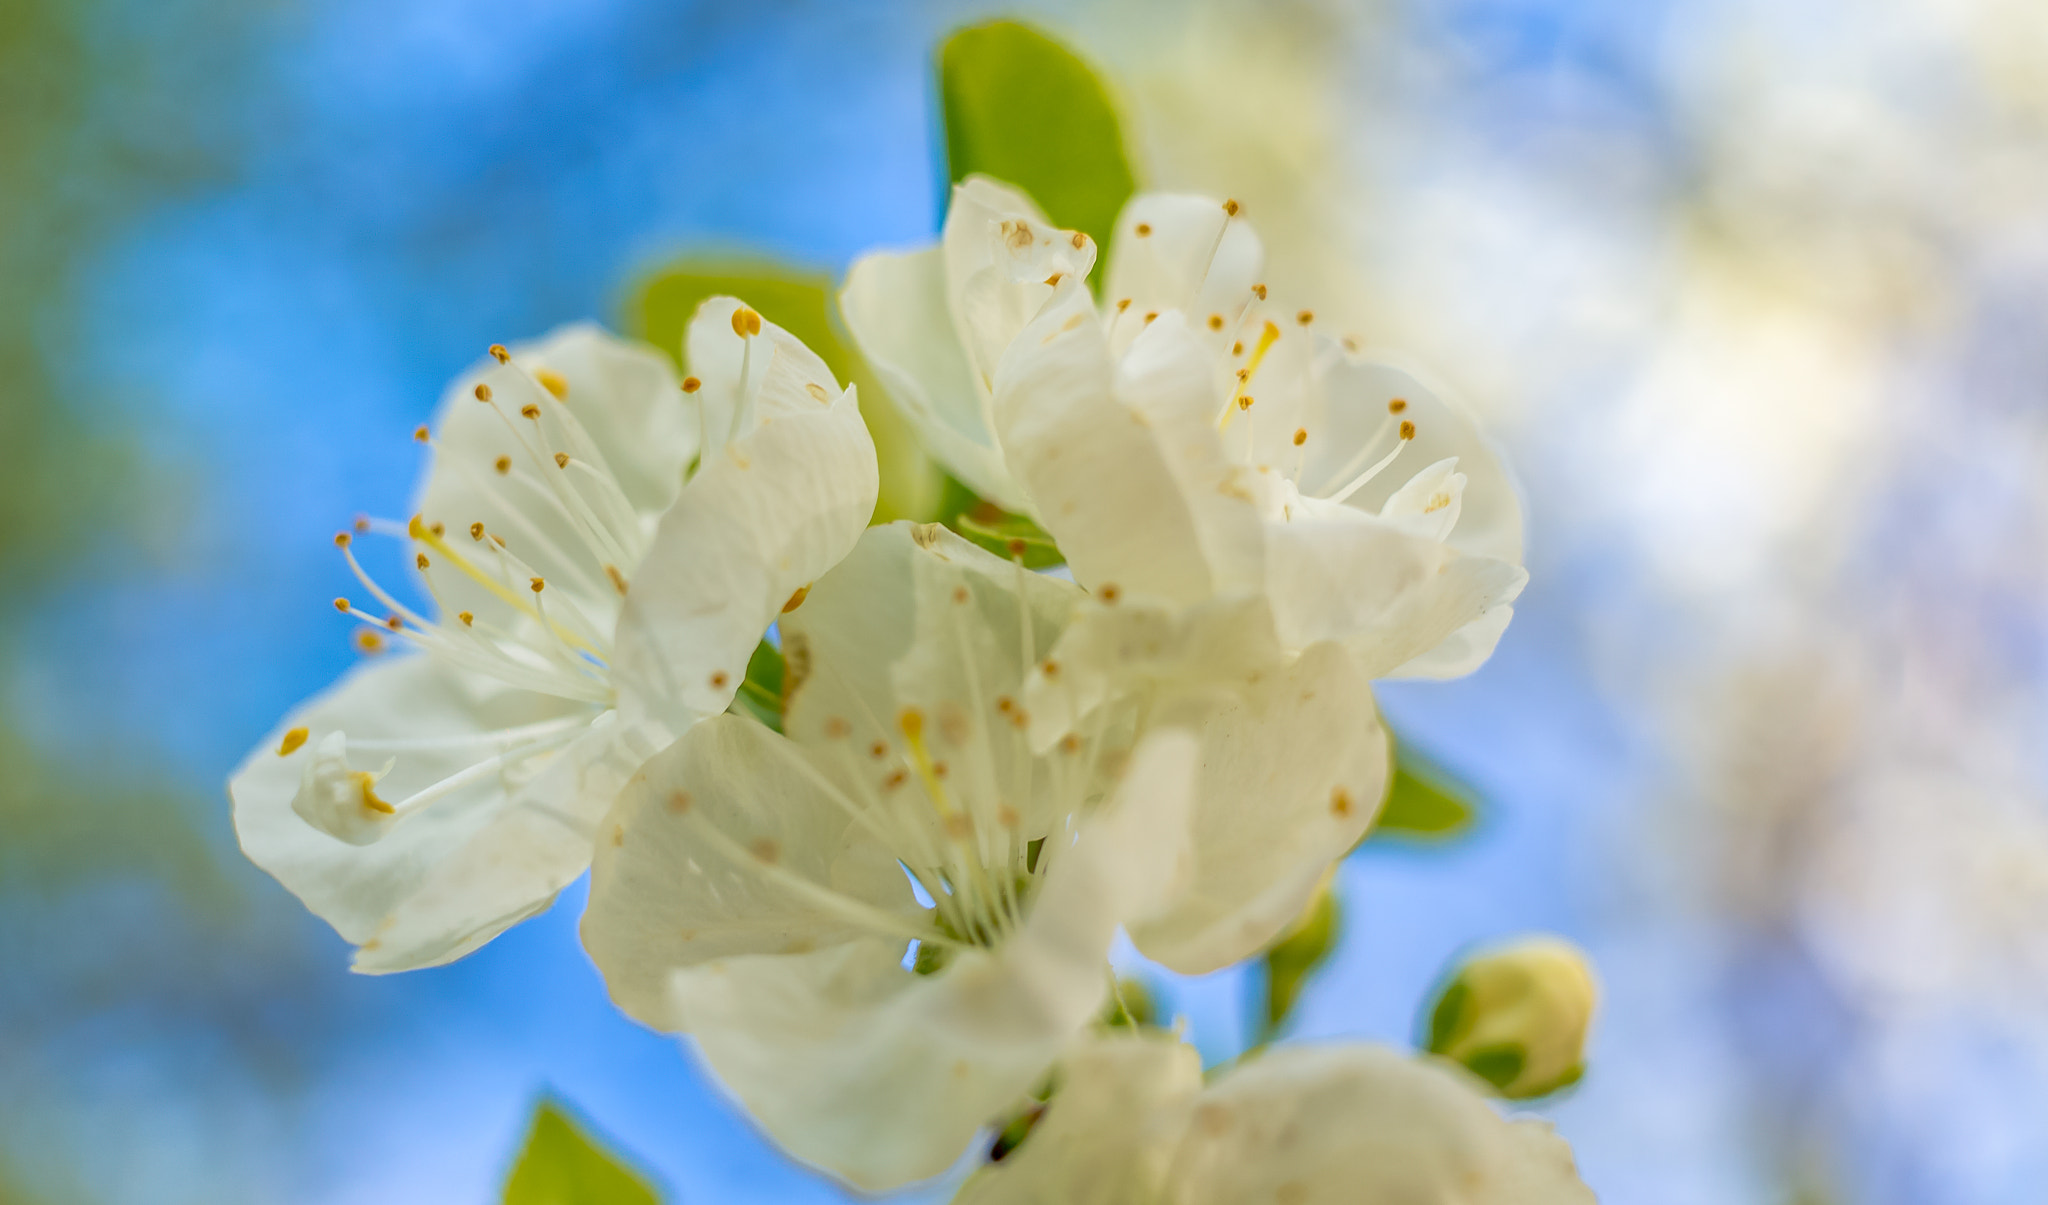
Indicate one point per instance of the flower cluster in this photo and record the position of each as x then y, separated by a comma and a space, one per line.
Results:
880, 893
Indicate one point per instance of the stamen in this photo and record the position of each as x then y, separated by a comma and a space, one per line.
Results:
483, 392
1143, 229
292, 740
499, 353
692, 384
1268, 335
1358, 483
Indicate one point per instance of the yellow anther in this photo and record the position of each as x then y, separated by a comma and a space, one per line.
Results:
1054, 279
416, 527
341, 605
692, 384
1215, 322
719, 678
395, 623
366, 782
911, 721
745, 323
618, 579
1109, 592
1123, 305
1397, 405
1017, 549
341, 539
796, 600
476, 531
420, 560
537, 584
466, 617
1237, 348
420, 433
369, 642
1350, 343
1005, 704
483, 392
1269, 334
439, 529
1230, 207
817, 392
561, 460
292, 740
1305, 317
1080, 240
1150, 316
1049, 668
1407, 429
529, 410
1259, 291
362, 523
499, 353
878, 750
1340, 802
503, 464
1300, 436
1244, 401
1143, 229
554, 382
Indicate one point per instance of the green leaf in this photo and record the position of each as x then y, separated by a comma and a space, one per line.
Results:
1001, 532
763, 693
1294, 957
1424, 802
802, 303
562, 1164
1021, 107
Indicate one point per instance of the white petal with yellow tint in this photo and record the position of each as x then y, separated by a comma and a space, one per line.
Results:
1336, 1125
392, 895
713, 850
1188, 253
1292, 774
767, 513
882, 1076
898, 312
1109, 1130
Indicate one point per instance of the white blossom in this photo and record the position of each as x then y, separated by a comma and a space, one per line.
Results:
1130, 1122
591, 598
1193, 438
882, 927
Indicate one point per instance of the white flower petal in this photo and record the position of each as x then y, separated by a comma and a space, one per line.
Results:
1354, 394
1335, 573
1291, 777
1000, 254
1110, 494
738, 381
917, 617
1108, 1131
1192, 257
765, 516
883, 1076
664, 895
1111, 650
1335, 1125
897, 308
622, 395
441, 881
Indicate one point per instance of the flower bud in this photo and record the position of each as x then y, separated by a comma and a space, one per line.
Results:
1516, 1015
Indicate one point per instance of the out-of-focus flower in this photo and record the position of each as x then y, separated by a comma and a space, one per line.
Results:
1516, 1016
1130, 1123
1199, 440
883, 927
588, 605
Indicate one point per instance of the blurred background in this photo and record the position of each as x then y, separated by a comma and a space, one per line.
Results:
1754, 291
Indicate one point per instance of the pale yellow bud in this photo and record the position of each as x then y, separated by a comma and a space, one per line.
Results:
1517, 1014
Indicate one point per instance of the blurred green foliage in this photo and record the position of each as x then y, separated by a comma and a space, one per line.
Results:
1021, 107
803, 304
1289, 962
1424, 802
67, 490
562, 1164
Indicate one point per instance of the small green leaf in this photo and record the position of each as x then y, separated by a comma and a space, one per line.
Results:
1021, 107
1294, 957
1423, 802
562, 1164
999, 531
802, 303
1130, 1005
